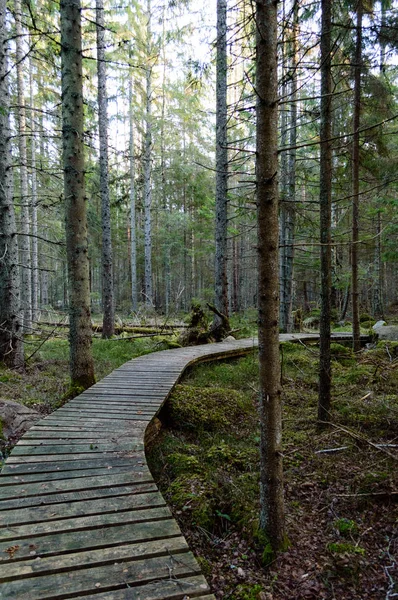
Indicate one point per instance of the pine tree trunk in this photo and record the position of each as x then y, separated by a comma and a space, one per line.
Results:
355, 182
325, 202
290, 219
133, 230
34, 205
271, 471
11, 346
108, 302
24, 244
148, 168
220, 271
81, 361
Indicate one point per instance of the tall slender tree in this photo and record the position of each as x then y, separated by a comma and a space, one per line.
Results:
325, 203
147, 159
355, 180
23, 174
81, 361
133, 230
108, 302
220, 271
11, 346
271, 470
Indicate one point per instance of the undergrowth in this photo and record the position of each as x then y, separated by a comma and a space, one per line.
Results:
206, 462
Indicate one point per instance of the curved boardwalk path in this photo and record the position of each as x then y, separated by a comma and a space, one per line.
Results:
80, 514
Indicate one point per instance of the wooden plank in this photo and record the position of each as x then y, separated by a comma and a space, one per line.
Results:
106, 577
76, 495
172, 589
13, 534
100, 442
136, 457
7, 479
68, 510
72, 541
128, 414
67, 465
60, 448
23, 489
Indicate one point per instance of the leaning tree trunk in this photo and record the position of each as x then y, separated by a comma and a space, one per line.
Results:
23, 175
272, 520
81, 361
11, 347
355, 182
325, 202
220, 270
108, 303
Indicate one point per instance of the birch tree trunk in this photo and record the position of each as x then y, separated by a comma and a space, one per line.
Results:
34, 203
271, 471
148, 169
133, 230
23, 175
355, 182
108, 303
220, 270
81, 361
11, 346
325, 202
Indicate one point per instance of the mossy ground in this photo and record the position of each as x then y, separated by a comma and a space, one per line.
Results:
341, 515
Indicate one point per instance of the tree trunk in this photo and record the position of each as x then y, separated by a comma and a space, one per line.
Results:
81, 361
23, 176
108, 302
271, 471
290, 219
133, 230
11, 347
34, 204
148, 167
355, 182
220, 270
325, 203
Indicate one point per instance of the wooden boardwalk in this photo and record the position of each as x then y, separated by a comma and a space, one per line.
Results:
80, 514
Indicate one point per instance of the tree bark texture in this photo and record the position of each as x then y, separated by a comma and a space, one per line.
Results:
81, 362
133, 230
24, 244
11, 347
325, 202
148, 169
220, 269
271, 471
355, 182
108, 302
34, 205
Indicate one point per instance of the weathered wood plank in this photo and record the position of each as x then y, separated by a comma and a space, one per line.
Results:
24, 489
75, 495
14, 533
119, 574
172, 589
38, 449
38, 514
87, 539
67, 465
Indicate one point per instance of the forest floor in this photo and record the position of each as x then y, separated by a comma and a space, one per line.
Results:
341, 505
341, 484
